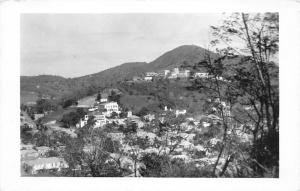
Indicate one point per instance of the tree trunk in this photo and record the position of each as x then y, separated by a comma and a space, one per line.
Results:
228, 160
134, 168
217, 161
252, 50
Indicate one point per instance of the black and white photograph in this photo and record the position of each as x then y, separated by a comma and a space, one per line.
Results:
150, 95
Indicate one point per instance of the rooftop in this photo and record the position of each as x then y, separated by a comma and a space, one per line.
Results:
45, 161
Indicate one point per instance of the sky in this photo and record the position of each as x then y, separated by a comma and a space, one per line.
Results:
73, 45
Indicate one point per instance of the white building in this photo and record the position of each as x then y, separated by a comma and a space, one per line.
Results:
149, 117
110, 107
164, 73
29, 154
167, 109
151, 74
33, 166
180, 112
83, 121
93, 109
42, 150
201, 75
148, 78
176, 73
183, 74
38, 116
129, 114
100, 120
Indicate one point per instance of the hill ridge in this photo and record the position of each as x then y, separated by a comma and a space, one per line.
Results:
58, 86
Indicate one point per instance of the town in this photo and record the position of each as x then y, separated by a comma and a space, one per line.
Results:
179, 141
127, 103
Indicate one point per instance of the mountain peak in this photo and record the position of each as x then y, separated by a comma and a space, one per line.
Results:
176, 57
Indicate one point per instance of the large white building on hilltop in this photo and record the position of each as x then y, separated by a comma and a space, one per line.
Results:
176, 73
164, 73
109, 108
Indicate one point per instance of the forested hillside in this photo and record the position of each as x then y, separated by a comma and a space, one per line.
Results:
59, 87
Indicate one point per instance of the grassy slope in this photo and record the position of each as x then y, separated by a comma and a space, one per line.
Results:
136, 102
57, 115
162, 92
27, 96
89, 100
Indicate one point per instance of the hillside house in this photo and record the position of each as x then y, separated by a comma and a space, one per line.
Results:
117, 121
183, 74
33, 166
173, 76
167, 109
176, 73
83, 121
29, 154
180, 112
148, 78
109, 108
129, 114
164, 73
42, 150
93, 109
201, 75
30, 103
136, 78
135, 119
149, 117
152, 74
100, 119
38, 116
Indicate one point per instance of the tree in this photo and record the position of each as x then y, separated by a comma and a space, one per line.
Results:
26, 133
70, 119
143, 111
81, 112
43, 105
114, 96
123, 114
52, 153
89, 155
98, 98
69, 102
250, 81
114, 115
